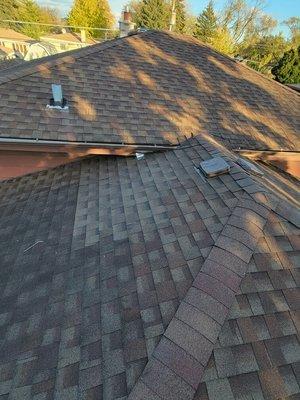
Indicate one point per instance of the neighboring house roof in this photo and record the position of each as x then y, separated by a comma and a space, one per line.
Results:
37, 47
6, 51
153, 87
10, 34
143, 280
68, 37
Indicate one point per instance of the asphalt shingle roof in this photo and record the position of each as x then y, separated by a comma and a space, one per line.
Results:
10, 34
257, 352
67, 37
153, 87
126, 279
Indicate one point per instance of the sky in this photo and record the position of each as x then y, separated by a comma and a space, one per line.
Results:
279, 9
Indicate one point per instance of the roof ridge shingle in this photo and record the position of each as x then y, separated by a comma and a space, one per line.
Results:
210, 296
207, 294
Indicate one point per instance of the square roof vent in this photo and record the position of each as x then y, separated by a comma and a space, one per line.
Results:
214, 167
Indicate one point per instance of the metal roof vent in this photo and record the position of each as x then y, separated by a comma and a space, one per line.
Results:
249, 167
139, 156
58, 101
214, 167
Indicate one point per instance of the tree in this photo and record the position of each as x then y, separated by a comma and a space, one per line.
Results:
222, 41
239, 17
190, 24
153, 14
8, 9
293, 24
288, 68
264, 53
261, 27
181, 16
91, 13
207, 24
30, 11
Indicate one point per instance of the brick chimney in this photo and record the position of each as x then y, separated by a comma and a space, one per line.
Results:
125, 24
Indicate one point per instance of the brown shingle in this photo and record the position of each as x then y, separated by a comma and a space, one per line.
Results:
120, 91
101, 292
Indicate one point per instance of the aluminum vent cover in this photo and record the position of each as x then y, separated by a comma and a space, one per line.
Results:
214, 167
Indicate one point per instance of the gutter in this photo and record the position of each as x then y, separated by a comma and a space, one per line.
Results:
66, 146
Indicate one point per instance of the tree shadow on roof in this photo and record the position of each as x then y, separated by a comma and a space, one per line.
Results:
155, 88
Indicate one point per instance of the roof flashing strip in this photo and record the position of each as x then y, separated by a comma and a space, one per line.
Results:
69, 143
249, 167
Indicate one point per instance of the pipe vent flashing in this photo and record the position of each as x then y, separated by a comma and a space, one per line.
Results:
57, 101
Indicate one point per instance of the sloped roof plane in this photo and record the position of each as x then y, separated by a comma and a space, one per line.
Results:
69, 37
153, 87
10, 34
139, 280
127, 279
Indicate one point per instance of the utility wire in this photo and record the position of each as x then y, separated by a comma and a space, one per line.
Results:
58, 25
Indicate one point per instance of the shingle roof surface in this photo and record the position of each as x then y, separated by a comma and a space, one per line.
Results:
7, 33
121, 242
68, 37
257, 352
153, 87
123, 278
8, 64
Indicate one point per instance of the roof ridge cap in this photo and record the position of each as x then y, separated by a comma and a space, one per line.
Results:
205, 283
60, 58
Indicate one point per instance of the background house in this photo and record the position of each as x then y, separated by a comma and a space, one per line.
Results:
7, 54
68, 40
16, 41
39, 50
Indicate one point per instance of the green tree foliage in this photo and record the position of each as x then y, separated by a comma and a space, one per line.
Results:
135, 8
30, 11
293, 24
207, 24
190, 24
153, 14
8, 9
156, 14
181, 16
265, 52
92, 13
222, 41
288, 68
257, 29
